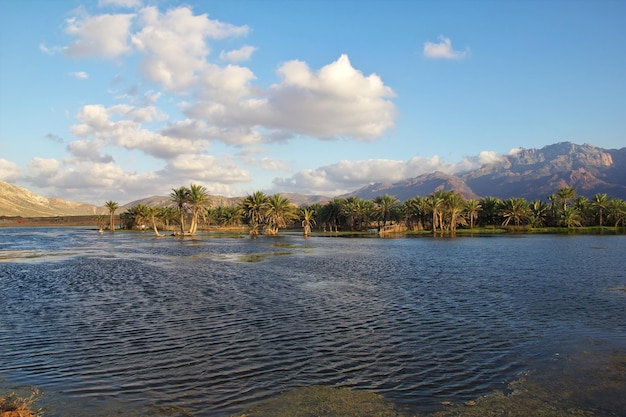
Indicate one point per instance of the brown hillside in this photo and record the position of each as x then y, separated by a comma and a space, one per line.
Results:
18, 201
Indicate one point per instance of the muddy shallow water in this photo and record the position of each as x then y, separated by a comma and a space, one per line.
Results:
215, 326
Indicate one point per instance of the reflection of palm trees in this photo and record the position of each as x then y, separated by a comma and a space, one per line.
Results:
112, 206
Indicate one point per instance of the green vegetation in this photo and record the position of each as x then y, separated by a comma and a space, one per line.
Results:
442, 212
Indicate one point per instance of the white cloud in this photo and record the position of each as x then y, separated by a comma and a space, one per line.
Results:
105, 35
119, 3
81, 75
89, 150
515, 151
443, 49
174, 44
10, 171
204, 168
49, 50
337, 101
43, 167
121, 126
347, 176
242, 54
271, 164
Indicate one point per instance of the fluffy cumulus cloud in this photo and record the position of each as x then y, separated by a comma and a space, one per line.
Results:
443, 50
10, 171
207, 168
336, 101
174, 44
104, 35
122, 126
216, 99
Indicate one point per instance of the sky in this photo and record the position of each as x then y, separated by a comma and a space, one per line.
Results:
125, 99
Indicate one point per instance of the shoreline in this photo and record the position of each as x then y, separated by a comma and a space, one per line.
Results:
92, 221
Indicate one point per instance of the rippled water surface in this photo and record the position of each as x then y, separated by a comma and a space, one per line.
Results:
217, 324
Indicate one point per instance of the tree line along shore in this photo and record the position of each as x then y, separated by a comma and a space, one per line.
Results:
442, 211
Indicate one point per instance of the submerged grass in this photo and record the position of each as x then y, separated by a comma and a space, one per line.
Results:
14, 405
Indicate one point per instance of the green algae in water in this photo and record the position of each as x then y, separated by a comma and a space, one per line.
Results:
259, 257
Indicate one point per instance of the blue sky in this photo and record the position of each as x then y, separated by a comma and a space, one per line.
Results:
124, 99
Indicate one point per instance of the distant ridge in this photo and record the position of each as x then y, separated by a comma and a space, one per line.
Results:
532, 174
18, 201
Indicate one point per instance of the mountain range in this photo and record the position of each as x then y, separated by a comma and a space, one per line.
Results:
532, 174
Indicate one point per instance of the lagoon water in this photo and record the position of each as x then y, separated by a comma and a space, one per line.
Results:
214, 324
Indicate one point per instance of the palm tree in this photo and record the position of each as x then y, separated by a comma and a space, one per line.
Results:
112, 206
386, 208
600, 203
435, 203
616, 212
454, 205
253, 208
565, 195
152, 213
167, 214
357, 211
515, 209
179, 196
100, 222
571, 217
330, 214
308, 218
538, 213
415, 212
198, 197
490, 212
279, 211
472, 208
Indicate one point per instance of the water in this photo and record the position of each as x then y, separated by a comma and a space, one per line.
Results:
217, 324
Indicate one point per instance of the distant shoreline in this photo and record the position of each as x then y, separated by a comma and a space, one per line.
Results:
19, 221
91, 221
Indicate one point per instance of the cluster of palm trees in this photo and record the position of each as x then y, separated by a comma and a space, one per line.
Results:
439, 211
